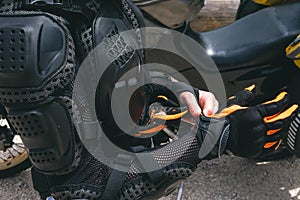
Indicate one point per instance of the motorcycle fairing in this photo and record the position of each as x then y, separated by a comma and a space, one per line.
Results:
293, 51
270, 2
255, 39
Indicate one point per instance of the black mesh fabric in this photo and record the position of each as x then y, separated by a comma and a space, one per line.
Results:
87, 182
6, 6
184, 150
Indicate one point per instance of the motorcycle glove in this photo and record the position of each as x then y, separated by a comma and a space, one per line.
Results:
246, 131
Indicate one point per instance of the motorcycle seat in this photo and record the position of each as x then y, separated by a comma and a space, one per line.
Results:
254, 39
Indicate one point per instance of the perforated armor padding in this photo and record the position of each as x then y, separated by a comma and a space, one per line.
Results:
37, 67
30, 72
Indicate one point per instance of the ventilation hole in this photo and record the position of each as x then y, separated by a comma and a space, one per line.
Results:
22, 67
22, 58
12, 41
22, 32
49, 89
22, 40
13, 68
12, 32
22, 49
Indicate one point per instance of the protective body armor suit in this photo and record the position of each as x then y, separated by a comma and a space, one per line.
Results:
42, 46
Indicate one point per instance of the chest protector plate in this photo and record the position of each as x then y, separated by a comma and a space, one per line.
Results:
42, 45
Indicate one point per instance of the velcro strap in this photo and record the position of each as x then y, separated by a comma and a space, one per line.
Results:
117, 178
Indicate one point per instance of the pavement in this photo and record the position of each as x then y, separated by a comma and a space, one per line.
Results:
227, 178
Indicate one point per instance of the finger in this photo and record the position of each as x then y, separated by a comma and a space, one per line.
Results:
274, 127
189, 99
243, 97
227, 111
275, 106
273, 146
275, 137
285, 115
208, 103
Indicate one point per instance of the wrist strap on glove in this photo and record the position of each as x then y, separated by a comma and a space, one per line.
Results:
293, 137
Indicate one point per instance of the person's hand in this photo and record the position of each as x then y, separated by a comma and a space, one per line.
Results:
257, 128
206, 103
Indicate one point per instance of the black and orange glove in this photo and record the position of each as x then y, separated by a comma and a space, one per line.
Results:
258, 128
246, 131
255, 129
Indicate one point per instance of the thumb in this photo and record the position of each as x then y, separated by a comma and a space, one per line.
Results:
208, 103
